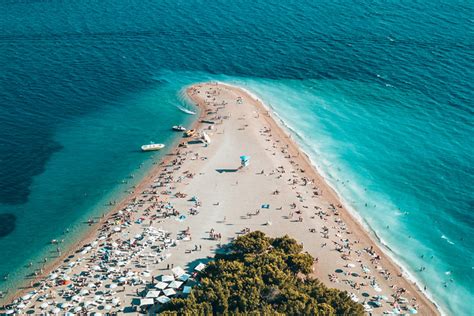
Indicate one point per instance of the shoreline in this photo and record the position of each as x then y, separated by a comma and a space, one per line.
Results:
359, 220
89, 233
352, 215
356, 226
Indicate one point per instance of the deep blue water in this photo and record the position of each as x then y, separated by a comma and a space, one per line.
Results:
379, 94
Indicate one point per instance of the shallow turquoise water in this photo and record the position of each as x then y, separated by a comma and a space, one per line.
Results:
378, 93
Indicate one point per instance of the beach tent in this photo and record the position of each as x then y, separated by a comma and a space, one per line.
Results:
244, 161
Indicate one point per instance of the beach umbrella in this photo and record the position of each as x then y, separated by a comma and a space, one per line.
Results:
186, 290
56, 310
21, 306
44, 305
175, 284
76, 298
169, 292
68, 314
178, 271
146, 301
87, 304
163, 299
161, 285
27, 296
152, 294
77, 309
53, 276
65, 305
167, 278
413, 311
113, 286
9, 311
184, 277
84, 292
107, 307
200, 267
115, 301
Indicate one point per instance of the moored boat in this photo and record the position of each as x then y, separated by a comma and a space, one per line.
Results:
151, 147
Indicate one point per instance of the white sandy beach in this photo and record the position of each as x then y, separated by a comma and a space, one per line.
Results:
279, 193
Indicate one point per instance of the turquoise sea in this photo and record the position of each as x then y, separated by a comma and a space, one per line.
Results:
378, 93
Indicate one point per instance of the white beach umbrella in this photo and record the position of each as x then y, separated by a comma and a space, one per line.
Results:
113, 285
21, 306
87, 304
169, 292
77, 309
200, 267
84, 292
167, 278
161, 285
9, 311
27, 296
163, 299
175, 284
76, 298
44, 305
115, 301
107, 307
56, 310
153, 294
178, 271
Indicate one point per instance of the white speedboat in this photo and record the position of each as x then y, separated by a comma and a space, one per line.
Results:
179, 128
151, 147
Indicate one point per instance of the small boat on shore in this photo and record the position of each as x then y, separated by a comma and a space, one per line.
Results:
179, 128
152, 147
190, 133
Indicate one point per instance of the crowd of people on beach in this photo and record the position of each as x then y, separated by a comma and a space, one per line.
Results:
118, 271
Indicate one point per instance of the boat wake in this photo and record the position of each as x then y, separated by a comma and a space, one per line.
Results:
185, 110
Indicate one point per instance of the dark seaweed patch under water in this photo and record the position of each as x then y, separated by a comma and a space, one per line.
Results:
7, 224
